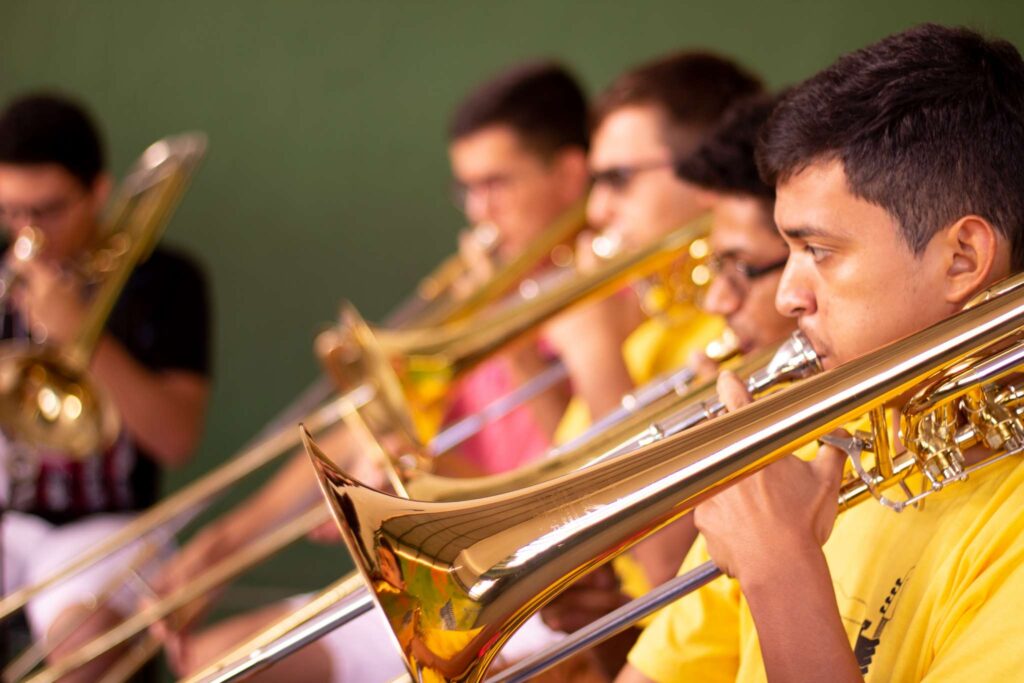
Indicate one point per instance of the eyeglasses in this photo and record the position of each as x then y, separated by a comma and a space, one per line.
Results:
740, 274
617, 178
491, 186
40, 214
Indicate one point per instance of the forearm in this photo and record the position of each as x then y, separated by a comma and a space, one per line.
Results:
599, 376
548, 406
793, 603
163, 411
292, 488
662, 554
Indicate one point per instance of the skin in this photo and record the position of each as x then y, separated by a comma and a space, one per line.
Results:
521, 193
162, 410
846, 255
742, 229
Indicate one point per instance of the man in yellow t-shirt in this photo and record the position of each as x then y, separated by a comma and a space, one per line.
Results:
896, 201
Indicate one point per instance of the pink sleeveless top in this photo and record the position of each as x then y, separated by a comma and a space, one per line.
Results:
505, 443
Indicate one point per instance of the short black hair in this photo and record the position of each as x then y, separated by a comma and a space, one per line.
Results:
693, 88
725, 161
928, 124
541, 101
43, 128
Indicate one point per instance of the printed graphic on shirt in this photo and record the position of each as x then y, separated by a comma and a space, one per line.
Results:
870, 634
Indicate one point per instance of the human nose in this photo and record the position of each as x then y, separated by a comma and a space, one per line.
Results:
794, 297
478, 205
721, 297
599, 207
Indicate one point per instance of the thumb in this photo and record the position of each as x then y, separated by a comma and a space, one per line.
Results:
830, 462
731, 391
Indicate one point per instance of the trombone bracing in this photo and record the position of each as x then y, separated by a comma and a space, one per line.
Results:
455, 580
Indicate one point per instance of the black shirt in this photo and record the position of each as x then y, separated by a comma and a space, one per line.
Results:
162, 319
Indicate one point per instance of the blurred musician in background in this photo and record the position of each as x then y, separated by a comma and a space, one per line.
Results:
153, 361
517, 147
648, 120
900, 196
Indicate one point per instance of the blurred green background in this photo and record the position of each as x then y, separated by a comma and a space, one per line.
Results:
327, 175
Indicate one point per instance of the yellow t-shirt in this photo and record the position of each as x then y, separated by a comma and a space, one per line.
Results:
657, 346
930, 594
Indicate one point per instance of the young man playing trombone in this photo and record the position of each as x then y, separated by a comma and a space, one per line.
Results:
153, 361
900, 180
650, 117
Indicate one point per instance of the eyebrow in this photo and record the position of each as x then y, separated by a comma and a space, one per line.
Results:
805, 231
729, 253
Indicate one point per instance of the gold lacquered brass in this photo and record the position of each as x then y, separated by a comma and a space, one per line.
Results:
412, 368
455, 580
47, 399
435, 300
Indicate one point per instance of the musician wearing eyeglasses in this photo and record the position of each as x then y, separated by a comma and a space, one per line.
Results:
152, 360
747, 254
900, 195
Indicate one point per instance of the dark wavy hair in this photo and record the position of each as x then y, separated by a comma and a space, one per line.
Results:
928, 124
43, 128
541, 101
725, 161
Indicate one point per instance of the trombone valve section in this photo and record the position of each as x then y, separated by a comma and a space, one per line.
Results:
968, 419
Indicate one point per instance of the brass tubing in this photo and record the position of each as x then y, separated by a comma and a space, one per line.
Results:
183, 502
215, 576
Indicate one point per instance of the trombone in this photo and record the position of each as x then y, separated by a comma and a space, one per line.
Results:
428, 359
653, 412
455, 580
47, 397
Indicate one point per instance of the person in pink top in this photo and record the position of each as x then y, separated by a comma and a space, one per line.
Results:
517, 147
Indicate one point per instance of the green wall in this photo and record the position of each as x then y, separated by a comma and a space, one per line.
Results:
327, 174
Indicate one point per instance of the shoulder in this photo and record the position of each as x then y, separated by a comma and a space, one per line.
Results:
169, 267
166, 260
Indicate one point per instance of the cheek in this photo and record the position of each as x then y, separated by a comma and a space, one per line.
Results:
771, 326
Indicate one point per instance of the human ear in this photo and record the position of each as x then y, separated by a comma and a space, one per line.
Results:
101, 189
976, 256
571, 166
